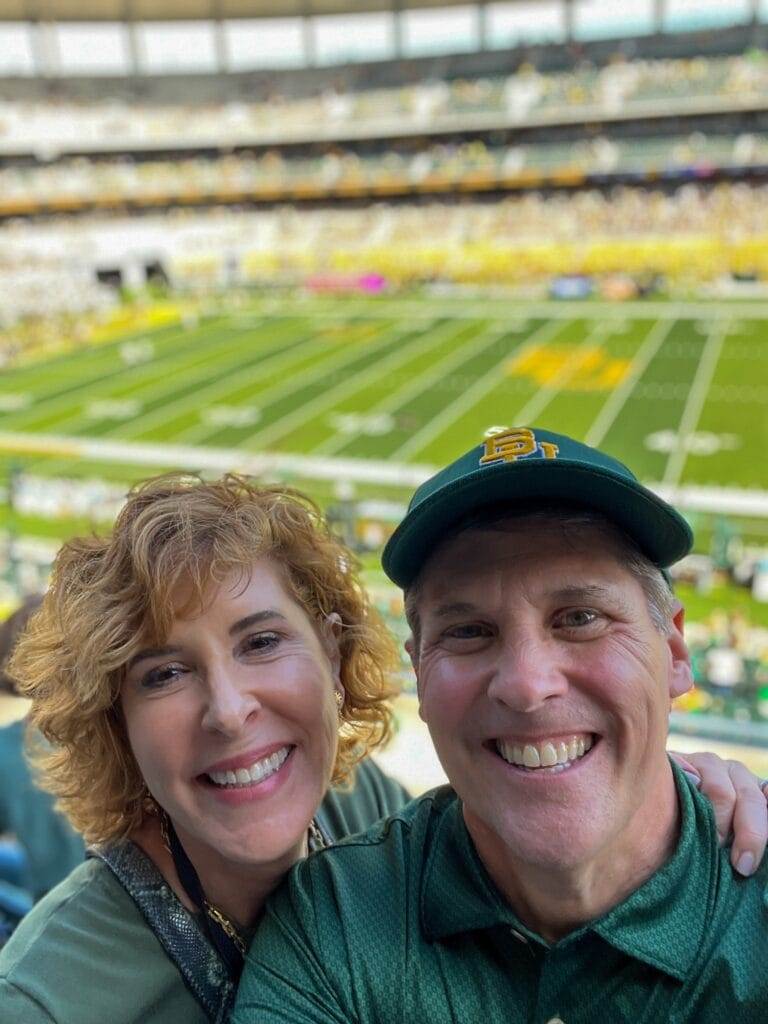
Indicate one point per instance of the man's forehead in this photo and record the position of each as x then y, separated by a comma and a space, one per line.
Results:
479, 563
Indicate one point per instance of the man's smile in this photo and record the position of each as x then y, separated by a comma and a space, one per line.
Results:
555, 752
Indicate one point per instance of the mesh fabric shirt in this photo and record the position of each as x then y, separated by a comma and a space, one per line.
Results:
403, 925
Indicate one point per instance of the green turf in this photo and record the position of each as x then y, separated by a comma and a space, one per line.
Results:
410, 380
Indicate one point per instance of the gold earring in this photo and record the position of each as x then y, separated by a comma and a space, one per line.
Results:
338, 696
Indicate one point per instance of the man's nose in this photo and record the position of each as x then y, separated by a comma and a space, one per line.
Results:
230, 702
526, 674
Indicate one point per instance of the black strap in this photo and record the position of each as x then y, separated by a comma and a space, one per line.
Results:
221, 942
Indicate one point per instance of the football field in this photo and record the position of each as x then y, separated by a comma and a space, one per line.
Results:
376, 391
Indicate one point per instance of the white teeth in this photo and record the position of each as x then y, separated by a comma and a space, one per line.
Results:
547, 754
257, 772
531, 757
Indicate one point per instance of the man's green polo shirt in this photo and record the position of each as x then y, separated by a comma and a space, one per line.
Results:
403, 925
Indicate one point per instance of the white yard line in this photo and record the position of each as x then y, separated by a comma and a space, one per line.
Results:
233, 357
471, 396
398, 398
340, 352
615, 403
695, 403
344, 388
93, 388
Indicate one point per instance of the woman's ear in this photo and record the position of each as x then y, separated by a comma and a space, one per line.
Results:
331, 628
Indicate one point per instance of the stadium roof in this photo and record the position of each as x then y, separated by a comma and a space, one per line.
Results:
177, 10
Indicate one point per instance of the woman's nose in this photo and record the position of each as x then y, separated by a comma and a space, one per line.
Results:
230, 702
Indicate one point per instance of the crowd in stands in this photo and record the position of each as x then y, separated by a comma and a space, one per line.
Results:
703, 232
586, 92
110, 182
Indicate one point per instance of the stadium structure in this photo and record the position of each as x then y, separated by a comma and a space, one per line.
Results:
332, 243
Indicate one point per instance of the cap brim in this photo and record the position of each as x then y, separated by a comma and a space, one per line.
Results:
660, 532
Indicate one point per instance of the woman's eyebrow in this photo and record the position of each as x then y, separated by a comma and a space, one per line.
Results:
151, 652
252, 620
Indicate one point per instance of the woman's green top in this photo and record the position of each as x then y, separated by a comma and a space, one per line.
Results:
112, 944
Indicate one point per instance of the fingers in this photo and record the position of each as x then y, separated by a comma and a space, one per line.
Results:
750, 819
718, 787
739, 805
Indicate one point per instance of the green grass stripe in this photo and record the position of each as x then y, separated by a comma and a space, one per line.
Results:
291, 409
443, 383
318, 357
695, 402
458, 419
657, 402
274, 347
376, 391
65, 403
736, 413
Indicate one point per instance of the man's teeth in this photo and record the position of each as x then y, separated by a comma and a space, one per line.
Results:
546, 754
257, 772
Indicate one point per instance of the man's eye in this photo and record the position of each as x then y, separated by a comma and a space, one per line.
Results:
577, 618
467, 631
162, 676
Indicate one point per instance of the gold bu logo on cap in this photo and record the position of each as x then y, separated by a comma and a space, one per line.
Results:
510, 445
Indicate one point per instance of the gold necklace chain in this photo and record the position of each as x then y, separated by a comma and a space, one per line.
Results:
226, 926
315, 841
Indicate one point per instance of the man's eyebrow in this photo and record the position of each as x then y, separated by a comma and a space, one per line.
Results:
444, 611
252, 620
151, 652
590, 592
581, 591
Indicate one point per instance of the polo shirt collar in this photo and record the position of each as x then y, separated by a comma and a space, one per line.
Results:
662, 923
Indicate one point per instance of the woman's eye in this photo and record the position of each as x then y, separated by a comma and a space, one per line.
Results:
162, 676
261, 642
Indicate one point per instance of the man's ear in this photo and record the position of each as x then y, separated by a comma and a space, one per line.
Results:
413, 653
681, 674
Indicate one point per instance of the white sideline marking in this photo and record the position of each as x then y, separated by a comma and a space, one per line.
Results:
218, 459
696, 398
617, 400
729, 500
471, 396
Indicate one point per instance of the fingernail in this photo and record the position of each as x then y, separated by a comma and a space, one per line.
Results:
745, 865
693, 777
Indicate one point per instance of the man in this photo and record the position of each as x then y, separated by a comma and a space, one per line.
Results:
571, 873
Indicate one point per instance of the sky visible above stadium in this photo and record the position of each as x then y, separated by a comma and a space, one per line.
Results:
174, 36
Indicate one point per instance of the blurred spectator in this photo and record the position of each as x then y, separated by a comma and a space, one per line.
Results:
52, 849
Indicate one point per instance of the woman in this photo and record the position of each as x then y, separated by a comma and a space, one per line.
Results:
202, 678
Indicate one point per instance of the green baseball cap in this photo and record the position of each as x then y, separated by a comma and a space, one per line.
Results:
521, 466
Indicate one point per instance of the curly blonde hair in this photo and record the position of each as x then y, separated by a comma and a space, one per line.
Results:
109, 596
